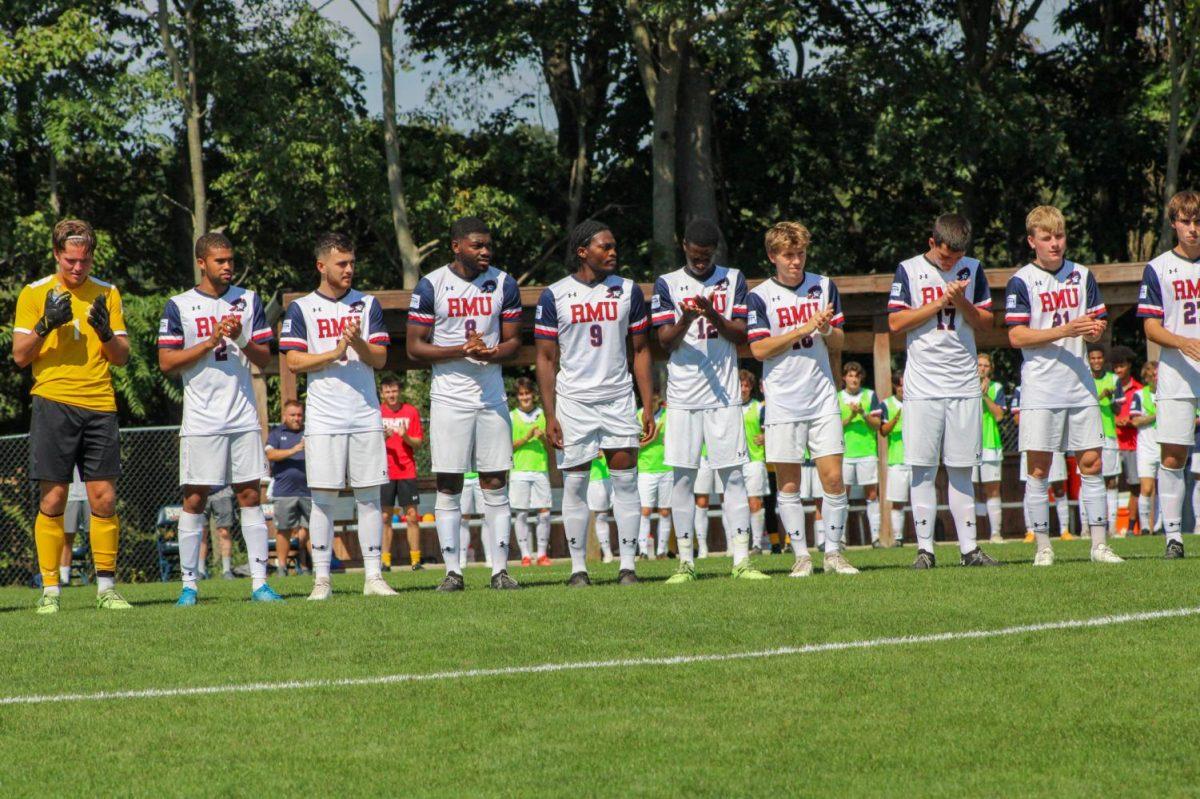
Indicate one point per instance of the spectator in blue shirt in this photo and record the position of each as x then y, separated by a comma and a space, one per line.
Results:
289, 492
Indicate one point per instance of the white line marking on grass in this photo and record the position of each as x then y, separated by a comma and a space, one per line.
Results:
543, 668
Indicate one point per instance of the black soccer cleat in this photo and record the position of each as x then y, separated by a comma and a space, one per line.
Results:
925, 560
627, 577
418, 566
579, 580
453, 581
503, 582
1174, 551
977, 557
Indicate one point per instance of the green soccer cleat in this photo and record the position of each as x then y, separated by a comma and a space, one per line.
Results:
744, 571
111, 600
47, 604
686, 574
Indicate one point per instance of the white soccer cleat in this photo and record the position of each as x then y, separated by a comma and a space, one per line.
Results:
1044, 557
836, 563
1102, 554
377, 586
322, 590
609, 558
802, 568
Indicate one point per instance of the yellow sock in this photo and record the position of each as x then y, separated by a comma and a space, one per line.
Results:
49, 538
774, 539
104, 544
387, 559
414, 555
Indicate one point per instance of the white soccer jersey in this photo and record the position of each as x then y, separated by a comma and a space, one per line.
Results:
341, 396
1171, 292
590, 324
218, 396
455, 308
941, 352
702, 370
798, 384
1056, 374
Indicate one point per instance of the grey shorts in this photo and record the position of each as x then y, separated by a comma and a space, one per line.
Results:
220, 509
78, 517
292, 512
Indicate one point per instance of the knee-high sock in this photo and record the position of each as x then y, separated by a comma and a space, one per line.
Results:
575, 516
873, 518
543, 532
603, 532
897, 524
644, 534
447, 515
487, 537
48, 536
735, 505
663, 533
1037, 509
497, 517
104, 532
1110, 495
523, 541
701, 524
924, 505
320, 530
834, 510
191, 531
818, 532
961, 499
1170, 498
1158, 517
370, 530
1094, 507
1063, 510
683, 512
255, 534
627, 510
758, 526
1196, 503
1145, 504
994, 512
791, 518
464, 538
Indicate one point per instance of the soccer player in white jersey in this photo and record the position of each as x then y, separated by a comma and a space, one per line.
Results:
337, 337
465, 320
1169, 303
793, 320
1053, 309
938, 298
699, 312
209, 336
582, 327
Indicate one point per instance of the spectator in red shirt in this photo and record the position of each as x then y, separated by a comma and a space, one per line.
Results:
1122, 364
402, 433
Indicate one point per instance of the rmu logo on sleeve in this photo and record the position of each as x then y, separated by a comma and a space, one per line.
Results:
238, 305
357, 306
615, 292
963, 274
488, 286
814, 292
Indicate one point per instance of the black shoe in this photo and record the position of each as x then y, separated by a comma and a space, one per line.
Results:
776, 549
627, 577
671, 555
925, 560
820, 547
877, 544
503, 582
418, 566
1174, 550
977, 557
579, 580
452, 582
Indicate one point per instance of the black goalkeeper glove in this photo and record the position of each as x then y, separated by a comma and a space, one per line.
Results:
57, 312
98, 319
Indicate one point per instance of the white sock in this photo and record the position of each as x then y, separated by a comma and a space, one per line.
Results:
834, 509
873, 518
897, 524
758, 526
1094, 508
603, 533
320, 530
1037, 509
791, 518
683, 513
994, 514
523, 540
1145, 506
190, 530
644, 534
1170, 498
961, 499
1195, 502
64, 575
104, 584
701, 526
1110, 496
543, 532
497, 517
735, 506
227, 563
447, 515
663, 534
627, 510
1158, 517
923, 495
370, 530
1062, 509
819, 531
575, 517
254, 533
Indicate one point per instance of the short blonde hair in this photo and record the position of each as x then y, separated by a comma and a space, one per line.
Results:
1184, 204
1047, 218
784, 235
74, 231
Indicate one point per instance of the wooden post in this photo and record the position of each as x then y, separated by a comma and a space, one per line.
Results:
287, 380
882, 355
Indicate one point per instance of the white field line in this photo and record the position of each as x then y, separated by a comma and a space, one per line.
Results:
544, 668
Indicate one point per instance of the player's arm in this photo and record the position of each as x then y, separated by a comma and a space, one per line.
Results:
733, 329
996, 409
546, 369
874, 417
902, 315
671, 324
1022, 335
643, 375
972, 301
108, 322
506, 350
274, 454
418, 344
887, 425
1158, 333
172, 361
817, 324
413, 435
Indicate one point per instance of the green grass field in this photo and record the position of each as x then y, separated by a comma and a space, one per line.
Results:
1098, 711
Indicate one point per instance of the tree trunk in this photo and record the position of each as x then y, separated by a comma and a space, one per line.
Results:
696, 172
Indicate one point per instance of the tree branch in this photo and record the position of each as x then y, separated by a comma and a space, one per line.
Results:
370, 20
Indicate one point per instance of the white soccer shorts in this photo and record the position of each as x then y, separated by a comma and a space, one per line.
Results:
1110, 458
589, 427
469, 440
707, 480
224, 459
654, 489
529, 490
989, 467
471, 500
1175, 422
787, 441
1061, 429
948, 431
599, 495
899, 481
860, 471
1149, 456
1058, 468
758, 482
345, 460
810, 482
722, 430
1195, 463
